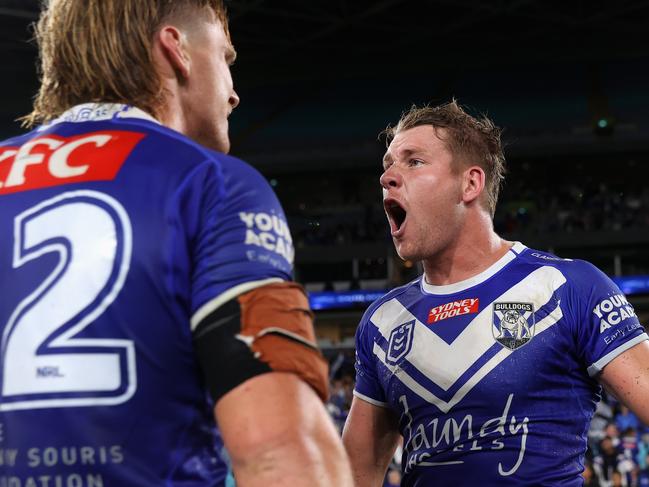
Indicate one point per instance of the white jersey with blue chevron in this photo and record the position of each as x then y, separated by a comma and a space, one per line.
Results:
493, 379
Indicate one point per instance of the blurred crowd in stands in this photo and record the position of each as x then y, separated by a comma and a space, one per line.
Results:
618, 453
340, 399
546, 202
539, 197
618, 443
339, 225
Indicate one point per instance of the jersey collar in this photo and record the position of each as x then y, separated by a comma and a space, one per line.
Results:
90, 112
516, 249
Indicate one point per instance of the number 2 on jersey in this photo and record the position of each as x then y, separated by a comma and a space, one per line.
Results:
47, 358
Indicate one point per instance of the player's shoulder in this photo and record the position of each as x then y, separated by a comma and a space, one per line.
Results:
228, 166
17, 140
148, 140
540, 257
576, 271
233, 167
168, 143
397, 292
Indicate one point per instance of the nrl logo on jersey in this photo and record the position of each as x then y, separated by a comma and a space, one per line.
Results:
400, 342
513, 324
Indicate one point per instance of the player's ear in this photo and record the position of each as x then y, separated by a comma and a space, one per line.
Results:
473, 183
171, 43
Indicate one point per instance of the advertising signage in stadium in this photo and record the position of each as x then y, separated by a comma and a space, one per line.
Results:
343, 299
629, 285
633, 284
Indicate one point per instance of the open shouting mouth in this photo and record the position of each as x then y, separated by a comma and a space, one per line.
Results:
397, 215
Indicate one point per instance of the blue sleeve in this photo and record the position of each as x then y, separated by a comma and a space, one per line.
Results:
242, 239
368, 387
606, 324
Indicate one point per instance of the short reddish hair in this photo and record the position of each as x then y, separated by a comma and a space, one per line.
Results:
471, 140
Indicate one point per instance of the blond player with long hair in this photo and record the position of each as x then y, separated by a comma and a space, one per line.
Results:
146, 274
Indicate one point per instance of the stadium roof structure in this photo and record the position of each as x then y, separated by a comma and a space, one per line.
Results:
340, 70
292, 38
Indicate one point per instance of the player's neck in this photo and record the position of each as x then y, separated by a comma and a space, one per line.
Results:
172, 114
476, 248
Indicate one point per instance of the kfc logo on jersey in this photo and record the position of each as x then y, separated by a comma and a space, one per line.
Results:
51, 160
513, 324
453, 309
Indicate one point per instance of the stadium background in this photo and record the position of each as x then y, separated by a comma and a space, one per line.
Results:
318, 80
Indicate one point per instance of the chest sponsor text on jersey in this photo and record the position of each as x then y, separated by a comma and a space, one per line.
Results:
78, 466
434, 443
453, 309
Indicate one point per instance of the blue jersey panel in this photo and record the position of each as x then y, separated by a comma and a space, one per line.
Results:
115, 233
244, 236
607, 323
493, 379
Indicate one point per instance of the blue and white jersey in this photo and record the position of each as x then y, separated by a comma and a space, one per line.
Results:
493, 379
118, 236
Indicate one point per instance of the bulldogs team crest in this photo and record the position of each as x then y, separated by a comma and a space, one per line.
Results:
513, 324
400, 342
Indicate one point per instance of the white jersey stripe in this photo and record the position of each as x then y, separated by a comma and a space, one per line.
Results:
474, 341
550, 320
597, 367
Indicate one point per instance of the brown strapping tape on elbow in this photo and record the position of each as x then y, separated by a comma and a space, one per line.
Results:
278, 319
